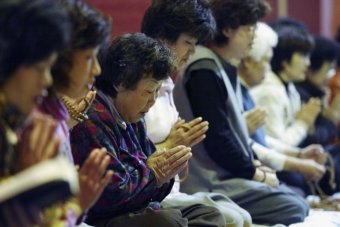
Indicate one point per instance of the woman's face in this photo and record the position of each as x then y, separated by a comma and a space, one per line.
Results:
255, 71
27, 85
83, 72
182, 49
132, 105
240, 40
320, 77
296, 69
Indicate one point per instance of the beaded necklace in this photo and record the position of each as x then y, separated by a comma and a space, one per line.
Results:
72, 109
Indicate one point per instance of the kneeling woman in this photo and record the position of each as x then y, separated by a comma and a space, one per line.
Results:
132, 72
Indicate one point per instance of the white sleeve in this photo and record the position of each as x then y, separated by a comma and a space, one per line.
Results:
280, 146
269, 156
160, 119
276, 124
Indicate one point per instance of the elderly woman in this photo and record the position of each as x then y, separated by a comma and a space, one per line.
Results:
31, 34
133, 69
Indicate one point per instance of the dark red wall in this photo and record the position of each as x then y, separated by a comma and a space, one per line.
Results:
307, 11
127, 14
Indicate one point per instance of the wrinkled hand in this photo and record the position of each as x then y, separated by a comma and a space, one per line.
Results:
93, 178
186, 134
271, 179
314, 152
258, 164
83, 106
166, 164
266, 177
309, 111
311, 170
38, 142
267, 169
255, 118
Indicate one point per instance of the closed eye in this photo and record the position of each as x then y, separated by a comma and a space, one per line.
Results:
149, 92
190, 43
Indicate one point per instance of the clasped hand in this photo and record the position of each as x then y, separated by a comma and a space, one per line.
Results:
255, 118
166, 164
186, 133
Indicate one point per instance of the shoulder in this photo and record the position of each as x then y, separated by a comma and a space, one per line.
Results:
204, 70
99, 119
204, 63
270, 85
100, 113
203, 59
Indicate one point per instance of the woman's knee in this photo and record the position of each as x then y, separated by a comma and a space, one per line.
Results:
297, 212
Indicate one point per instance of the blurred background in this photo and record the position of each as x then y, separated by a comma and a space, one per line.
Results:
320, 16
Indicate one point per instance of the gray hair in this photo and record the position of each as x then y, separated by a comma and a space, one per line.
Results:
264, 40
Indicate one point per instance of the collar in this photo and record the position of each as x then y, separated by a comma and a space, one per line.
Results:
53, 106
243, 83
117, 117
285, 84
109, 103
313, 90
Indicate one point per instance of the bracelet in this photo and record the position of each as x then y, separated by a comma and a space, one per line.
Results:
264, 176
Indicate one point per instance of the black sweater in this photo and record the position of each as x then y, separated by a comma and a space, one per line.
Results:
207, 95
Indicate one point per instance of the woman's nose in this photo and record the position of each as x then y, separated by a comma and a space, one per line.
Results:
96, 69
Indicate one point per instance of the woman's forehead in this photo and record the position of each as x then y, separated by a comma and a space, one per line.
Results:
150, 82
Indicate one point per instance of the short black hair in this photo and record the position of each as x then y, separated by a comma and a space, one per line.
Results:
325, 50
231, 14
130, 58
168, 19
292, 39
90, 28
30, 31
287, 21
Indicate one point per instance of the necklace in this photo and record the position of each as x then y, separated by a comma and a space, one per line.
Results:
72, 109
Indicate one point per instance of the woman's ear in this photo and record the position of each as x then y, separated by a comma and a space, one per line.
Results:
227, 32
